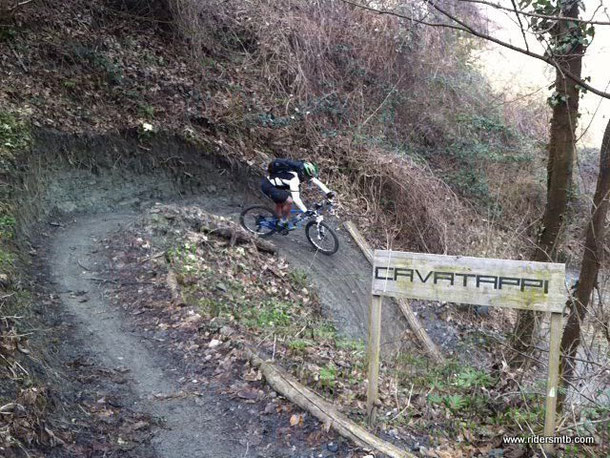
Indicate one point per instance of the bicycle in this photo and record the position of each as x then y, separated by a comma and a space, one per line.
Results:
263, 221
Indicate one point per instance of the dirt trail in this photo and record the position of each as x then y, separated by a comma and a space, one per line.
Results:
194, 427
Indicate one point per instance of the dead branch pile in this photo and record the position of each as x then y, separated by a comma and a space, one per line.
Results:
202, 221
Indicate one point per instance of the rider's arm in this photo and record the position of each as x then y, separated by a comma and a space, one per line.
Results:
295, 193
320, 185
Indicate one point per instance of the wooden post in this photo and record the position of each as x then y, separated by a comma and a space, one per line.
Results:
374, 346
552, 383
360, 240
393, 276
421, 334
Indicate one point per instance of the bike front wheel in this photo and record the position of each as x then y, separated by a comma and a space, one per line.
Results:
259, 220
322, 237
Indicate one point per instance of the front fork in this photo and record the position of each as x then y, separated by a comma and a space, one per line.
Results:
319, 226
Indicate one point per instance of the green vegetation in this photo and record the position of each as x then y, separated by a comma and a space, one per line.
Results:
299, 278
7, 227
462, 397
14, 137
109, 70
146, 111
328, 377
299, 345
7, 260
7, 34
16, 303
271, 314
274, 309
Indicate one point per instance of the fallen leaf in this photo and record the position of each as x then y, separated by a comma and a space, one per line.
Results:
248, 393
296, 420
253, 375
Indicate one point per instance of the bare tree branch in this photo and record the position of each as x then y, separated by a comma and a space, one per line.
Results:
404, 16
464, 27
536, 15
20, 4
527, 47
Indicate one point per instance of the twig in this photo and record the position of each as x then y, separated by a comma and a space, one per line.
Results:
154, 256
537, 15
20, 4
22, 368
299, 333
9, 365
80, 264
465, 27
575, 425
134, 16
102, 280
18, 57
406, 407
588, 361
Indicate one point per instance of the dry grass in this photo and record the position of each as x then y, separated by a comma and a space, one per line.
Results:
364, 94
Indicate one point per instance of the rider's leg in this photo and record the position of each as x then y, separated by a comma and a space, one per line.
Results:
286, 207
283, 211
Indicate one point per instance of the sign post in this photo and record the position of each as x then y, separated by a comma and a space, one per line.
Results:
524, 285
373, 356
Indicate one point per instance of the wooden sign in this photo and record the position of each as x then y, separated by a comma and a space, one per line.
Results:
529, 285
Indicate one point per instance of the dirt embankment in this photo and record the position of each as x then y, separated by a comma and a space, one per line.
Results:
87, 175
77, 191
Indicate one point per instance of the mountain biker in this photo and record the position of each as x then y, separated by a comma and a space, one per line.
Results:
282, 185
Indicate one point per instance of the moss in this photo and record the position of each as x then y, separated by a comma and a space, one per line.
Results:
15, 139
15, 136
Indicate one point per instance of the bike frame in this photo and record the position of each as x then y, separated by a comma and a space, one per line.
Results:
298, 220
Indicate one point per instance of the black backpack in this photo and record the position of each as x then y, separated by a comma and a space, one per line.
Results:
278, 166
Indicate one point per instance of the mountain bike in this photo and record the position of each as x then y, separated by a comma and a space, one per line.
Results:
263, 221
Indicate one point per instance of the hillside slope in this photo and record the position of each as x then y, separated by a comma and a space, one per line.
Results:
423, 154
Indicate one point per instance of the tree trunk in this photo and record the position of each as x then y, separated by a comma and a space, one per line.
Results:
559, 174
591, 260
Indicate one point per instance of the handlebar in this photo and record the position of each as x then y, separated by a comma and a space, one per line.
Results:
323, 205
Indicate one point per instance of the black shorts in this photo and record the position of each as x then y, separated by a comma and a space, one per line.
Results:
279, 196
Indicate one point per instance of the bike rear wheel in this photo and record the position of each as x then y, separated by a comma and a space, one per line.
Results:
259, 220
322, 237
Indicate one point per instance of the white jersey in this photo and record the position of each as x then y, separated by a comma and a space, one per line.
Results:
290, 181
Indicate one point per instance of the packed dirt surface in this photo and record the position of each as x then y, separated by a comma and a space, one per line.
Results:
195, 419
194, 426
163, 411
343, 280
160, 404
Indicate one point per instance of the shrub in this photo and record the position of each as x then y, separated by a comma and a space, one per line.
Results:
386, 106
152, 9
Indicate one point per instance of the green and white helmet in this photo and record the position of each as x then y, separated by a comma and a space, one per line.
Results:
311, 169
